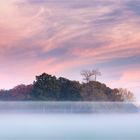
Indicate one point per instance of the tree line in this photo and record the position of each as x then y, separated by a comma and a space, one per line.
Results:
50, 88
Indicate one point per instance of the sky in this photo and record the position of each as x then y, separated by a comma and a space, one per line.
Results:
64, 37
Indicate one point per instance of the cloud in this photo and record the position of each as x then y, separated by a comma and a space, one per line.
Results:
134, 6
59, 36
129, 79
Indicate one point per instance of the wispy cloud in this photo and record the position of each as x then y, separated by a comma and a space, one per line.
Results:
58, 36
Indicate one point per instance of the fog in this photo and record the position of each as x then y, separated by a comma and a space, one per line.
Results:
68, 107
66, 121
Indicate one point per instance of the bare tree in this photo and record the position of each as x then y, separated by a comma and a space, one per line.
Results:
96, 73
88, 74
126, 95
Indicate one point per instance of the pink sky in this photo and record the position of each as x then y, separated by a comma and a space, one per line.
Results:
63, 37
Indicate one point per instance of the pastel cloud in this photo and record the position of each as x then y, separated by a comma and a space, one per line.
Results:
62, 37
129, 79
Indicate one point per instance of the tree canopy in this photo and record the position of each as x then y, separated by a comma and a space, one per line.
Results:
50, 88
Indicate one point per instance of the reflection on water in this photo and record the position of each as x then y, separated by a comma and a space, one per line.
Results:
68, 107
34, 125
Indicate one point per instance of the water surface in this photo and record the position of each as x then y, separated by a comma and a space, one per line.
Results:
69, 126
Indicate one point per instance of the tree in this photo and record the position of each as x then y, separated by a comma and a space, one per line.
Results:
96, 73
46, 87
126, 95
88, 74
21, 92
49, 88
95, 91
70, 91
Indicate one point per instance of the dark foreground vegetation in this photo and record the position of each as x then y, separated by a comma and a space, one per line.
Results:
49, 88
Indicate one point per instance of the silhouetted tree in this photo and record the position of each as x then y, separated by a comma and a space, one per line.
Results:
88, 74
70, 91
47, 87
96, 73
